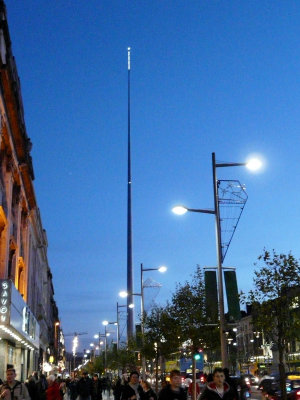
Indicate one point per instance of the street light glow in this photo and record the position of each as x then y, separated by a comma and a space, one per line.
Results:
179, 210
96, 336
131, 305
105, 323
162, 269
123, 293
92, 344
254, 164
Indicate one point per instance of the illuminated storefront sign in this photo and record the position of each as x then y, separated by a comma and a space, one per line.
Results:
5, 297
16, 318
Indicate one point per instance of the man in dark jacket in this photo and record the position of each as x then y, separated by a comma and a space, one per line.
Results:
97, 388
218, 389
132, 391
84, 387
173, 391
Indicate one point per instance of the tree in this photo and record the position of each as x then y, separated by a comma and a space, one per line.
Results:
123, 359
161, 335
188, 310
274, 302
95, 366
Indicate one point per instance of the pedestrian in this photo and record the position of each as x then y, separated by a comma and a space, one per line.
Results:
173, 391
191, 389
231, 382
117, 389
132, 391
31, 386
97, 388
218, 388
52, 392
12, 388
41, 387
84, 387
73, 389
148, 392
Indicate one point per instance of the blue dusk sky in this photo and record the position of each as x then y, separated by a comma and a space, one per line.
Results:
207, 76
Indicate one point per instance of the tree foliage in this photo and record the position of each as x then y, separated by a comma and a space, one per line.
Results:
188, 310
275, 304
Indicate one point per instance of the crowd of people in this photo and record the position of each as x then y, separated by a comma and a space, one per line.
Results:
38, 387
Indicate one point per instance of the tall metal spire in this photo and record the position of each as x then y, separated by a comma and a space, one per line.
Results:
129, 224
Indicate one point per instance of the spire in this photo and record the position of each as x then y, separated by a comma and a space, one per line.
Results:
129, 224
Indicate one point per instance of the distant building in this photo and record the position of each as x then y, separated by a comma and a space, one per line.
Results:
29, 329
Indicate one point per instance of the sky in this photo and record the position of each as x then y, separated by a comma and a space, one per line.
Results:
207, 76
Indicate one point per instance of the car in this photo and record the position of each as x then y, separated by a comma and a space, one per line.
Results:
273, 392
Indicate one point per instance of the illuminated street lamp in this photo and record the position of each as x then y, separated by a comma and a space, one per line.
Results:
160, 269
106, 334
252, 164
124, 294
116, 323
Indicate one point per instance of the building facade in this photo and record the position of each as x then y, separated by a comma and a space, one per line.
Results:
29, 321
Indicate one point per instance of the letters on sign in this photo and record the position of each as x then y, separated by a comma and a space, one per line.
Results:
4, 302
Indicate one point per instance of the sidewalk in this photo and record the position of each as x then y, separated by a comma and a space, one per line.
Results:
105, 395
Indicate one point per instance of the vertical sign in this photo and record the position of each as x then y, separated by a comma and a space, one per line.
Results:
5, 296
233, 301
211, 296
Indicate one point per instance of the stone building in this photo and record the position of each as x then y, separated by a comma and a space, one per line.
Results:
28, 314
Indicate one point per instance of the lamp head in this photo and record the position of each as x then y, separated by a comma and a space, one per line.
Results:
254, 164
96, 336
105, 323
162, 269
131, 305
179, 210
123, 294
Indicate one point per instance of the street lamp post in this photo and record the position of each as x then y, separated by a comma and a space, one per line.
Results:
180, 210
160, 269
105, 323
101, 335
118, 323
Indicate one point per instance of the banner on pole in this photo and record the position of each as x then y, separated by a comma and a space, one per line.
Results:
211, 296
233, 302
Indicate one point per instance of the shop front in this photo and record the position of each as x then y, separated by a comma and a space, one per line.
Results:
19, 333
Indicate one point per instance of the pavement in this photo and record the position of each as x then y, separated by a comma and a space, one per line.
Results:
106, 396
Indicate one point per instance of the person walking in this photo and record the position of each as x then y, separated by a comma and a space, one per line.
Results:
191, 390
97, 388
117, 389
148, 392
133, 390
41, 387
173, 391
52, 392
84, 387
73, 389
12, 388
218, 388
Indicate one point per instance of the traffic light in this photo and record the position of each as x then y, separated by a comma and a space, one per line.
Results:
197, 354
